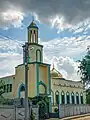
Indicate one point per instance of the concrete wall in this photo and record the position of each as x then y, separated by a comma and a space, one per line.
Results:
71, 110
16, 113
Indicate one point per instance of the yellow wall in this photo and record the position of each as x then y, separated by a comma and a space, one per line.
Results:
32, 80
32, 52
43, 75
19, 79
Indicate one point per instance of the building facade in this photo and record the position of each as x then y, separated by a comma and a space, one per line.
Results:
41, 81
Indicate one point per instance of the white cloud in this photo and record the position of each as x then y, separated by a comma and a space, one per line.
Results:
13, 17
61, 13
61, 25
10, 16
72, 47
10, 56
62, 52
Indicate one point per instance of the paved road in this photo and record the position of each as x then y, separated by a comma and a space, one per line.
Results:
83, 118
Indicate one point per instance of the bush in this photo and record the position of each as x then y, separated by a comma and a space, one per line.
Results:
56, 110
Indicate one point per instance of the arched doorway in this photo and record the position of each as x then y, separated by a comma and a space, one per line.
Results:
21, 92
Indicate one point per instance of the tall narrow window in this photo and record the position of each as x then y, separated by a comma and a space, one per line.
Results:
10, 87
72, 98
62, 98
38, 55
68, 98
34, 36
77, 98
31, 36
81, 96
57, 97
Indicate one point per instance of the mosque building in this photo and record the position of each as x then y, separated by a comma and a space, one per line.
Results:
42, 81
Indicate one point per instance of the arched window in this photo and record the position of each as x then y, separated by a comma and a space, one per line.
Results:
34, 36
72, 98
81, 96
62, 97
34, 31
31, 36
38, 55
77, 98
57, 97
68, 97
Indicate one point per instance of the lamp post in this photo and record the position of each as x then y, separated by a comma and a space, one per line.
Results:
26, 80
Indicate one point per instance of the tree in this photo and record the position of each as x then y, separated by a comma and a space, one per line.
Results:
1, 87
88, 96
84, 69
43, 103
2, 83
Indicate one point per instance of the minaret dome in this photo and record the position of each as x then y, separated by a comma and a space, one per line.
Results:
33, 33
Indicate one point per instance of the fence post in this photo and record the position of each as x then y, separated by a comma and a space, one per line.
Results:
30, 106
15, 111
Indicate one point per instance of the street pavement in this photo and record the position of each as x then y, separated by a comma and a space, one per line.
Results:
82, 118
79, 117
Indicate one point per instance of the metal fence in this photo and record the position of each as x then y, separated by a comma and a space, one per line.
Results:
71, 110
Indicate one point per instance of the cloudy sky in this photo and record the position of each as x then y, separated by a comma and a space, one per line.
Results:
63, 30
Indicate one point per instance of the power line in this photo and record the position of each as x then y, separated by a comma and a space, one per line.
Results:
10, 38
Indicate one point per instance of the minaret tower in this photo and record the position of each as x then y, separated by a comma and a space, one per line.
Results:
32, 33
38, 72
35, 49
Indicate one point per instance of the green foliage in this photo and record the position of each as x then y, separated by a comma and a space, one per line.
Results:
1, 87
43, 103
84, 69
2, 99
40, 99
88, 96
56, 110
32, 115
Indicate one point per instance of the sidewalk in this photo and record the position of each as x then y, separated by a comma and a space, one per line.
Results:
70, 118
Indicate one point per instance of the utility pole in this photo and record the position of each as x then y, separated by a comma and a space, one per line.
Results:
26, 82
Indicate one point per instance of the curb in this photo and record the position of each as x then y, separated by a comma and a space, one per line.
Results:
74, 117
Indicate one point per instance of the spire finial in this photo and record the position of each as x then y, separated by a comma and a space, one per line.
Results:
53, 65
32, 18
